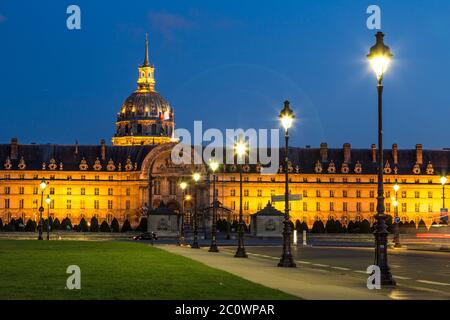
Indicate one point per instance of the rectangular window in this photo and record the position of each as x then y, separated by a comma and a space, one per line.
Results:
259, 179
35, 204
317, 206
358, 207
233, 192
6, 203
97, 191
416, 194
331, 206
52, 204
172, 187
318, 193
21, 190
388, 194
246, 193
83, 191
127, 204
35, 190
430, 194
417, 207
110, 178
305, 193
430, 207
97, 178
372, 207
331, 193
404, 207
83, 177
344, 180
233, 179
259, 193
345, 206
82, 204
246, 205
344, 193
96, 204
331, 180
358, 193
69, 177
372, 194
21, 176
21, 201
305, 180
388, 207
233, 205
110, 204
110, 191
7, 190
259, 206
52, 190
69, 191
68, 204
305, 206
403, 194
358, 180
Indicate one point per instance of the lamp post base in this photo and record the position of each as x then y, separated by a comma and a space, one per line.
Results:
287, 262
213, 248
195, 245
240, 253
386, 278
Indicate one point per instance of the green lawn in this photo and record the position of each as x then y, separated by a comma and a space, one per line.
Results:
31, 269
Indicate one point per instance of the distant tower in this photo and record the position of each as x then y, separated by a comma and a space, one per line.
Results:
145, 117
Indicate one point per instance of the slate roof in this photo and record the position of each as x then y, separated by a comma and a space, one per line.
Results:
34, 155
269, 210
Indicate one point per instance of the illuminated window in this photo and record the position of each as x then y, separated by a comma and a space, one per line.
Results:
388, 207
157, 189
259, 193
430, 207
403, 194
430, 194
97, 178
83, 191
21, 176
372, 207
233, 205
52, 204
82, 204
305, 193
52, 190
111, 178
246, 205
110, 191
83, 177
358, 193
7, 190
246, 193
331, 206
358, 207
68, 204
96, 191
6, 203
305, 206
110, 204
417, 207
233, 192
318, 193
331, 193
96, 204
372, 194
69, 191
344, 194
127, 205
259, 206
21, 190
404, 207
21, 201
345, 207
317, 206
416, 194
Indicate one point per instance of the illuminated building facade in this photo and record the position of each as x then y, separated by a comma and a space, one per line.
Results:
113, 181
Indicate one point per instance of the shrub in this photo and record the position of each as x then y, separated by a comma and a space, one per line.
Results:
422, 227
142, 227
364, 226
115, 225
82, 226
56, 224
126, 226
11, 226
66, 224
94, 225
30, 226
330, 226
19, 225
318, 227
351, 227
104, 227
339, 228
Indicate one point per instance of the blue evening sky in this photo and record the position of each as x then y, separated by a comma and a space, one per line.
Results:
229, 63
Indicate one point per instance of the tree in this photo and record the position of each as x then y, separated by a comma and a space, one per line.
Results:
19, 225
126, 226
94, 225
104, 227
305, 226
56, 224
142, 227
351, 227
364, 226
30, 226
82, 226
115, 225
318, 227
11, 226
339, 228
1, 224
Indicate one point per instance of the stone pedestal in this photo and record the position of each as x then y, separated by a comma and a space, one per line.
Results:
267, 223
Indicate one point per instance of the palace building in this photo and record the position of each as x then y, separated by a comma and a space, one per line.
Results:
127, 179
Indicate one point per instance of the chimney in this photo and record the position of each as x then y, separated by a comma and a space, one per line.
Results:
14, 149
347, 149
373, 152
103, 149
419, 154
324, 152
395, 153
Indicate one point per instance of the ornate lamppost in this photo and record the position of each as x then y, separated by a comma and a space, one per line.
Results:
214, 165
286, 119
196, 177
48, 201
443, 181
183, 186
396, 217
241, 150
42, 186
379, 57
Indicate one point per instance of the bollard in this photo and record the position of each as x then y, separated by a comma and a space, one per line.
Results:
295, 237
304, 238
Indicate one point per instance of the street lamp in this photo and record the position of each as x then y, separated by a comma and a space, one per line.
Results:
42, 186
48, 201
183, 186
214, 165
443, 181
240, 149
379, 57
396, 218
196, 177
286, 118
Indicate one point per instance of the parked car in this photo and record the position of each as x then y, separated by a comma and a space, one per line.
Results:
146, 236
